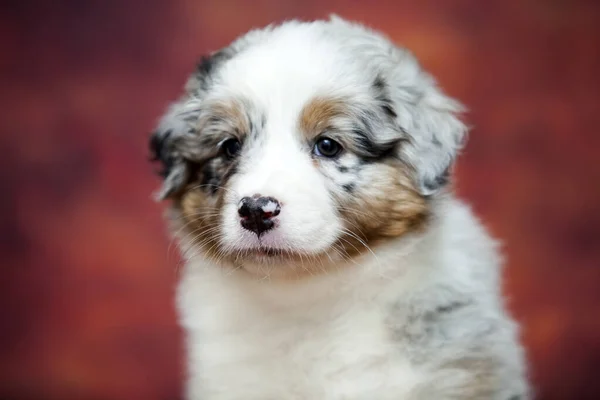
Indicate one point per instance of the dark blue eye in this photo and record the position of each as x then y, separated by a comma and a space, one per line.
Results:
325, 147
231, 147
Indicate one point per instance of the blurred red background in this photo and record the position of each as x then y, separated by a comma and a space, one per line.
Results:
87, 280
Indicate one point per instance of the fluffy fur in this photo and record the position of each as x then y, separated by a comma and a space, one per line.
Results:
375, 282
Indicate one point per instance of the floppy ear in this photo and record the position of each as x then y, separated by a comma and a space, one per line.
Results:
178, 123
431, 121
439, 136
175, 124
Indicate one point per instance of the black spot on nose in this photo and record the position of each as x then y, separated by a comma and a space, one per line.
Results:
257, 213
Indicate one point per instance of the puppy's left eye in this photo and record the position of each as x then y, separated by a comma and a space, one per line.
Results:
325, 147
231, 147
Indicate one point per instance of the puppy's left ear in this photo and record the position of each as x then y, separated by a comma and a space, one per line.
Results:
431, 120
441, 137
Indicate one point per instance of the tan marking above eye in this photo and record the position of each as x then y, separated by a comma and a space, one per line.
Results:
230, 113
318, 115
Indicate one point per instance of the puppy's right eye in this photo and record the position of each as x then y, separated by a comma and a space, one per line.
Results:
231, 148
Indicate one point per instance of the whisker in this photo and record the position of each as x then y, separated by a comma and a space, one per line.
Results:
354, 236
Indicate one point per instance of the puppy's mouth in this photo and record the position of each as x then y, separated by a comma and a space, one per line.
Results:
265, 251
270, 255
269, 252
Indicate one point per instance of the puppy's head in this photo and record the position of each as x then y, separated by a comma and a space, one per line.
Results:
302, 145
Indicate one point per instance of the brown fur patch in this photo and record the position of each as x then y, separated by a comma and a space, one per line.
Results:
316, 117
388, 205
197, 218
230, 113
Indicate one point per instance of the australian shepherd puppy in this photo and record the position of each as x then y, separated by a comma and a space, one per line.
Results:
307, 167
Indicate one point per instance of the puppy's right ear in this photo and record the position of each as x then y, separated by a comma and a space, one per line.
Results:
174, 125
178, 123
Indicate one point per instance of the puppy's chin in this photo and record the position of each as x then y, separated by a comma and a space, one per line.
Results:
265, 262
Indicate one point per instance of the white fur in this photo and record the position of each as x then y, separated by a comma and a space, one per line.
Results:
357, 331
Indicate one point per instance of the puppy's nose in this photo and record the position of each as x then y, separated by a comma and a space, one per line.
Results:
257, 213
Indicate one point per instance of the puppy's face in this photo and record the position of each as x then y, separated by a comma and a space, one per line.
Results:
301, 146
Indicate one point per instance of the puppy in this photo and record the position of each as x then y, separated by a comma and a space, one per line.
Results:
307, 169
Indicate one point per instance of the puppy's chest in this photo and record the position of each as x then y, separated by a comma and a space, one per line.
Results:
336, 351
